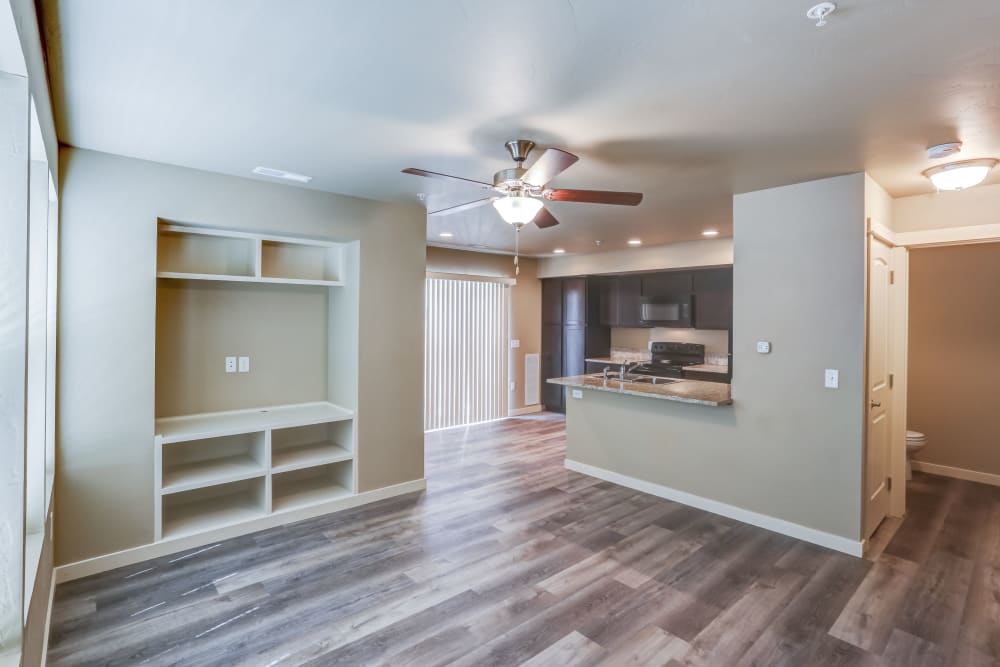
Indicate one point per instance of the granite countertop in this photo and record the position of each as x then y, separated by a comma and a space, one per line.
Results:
618, 360
682, 391
709, 368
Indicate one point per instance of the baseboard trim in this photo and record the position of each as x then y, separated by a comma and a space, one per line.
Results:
957, 473
97, 564
800, 532
527, 410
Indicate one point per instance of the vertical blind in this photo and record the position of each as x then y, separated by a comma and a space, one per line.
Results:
465, 359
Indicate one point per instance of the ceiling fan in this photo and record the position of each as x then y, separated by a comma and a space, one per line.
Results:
517, 193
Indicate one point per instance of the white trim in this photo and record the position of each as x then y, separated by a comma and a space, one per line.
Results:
883, 233
957, 473
950, 235
85, 568
800, 532
526, 410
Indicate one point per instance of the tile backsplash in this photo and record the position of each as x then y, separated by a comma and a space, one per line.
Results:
626, 342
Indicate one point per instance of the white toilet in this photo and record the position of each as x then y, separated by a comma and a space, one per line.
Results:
915, 441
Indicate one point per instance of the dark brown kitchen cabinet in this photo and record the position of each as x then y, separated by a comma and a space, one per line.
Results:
666, 285
571, 331
713, 298
552, 301
551, 366
620, 302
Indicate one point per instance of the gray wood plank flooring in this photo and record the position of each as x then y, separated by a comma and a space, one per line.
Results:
509, 559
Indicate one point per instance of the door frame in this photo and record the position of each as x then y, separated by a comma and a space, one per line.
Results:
898, 342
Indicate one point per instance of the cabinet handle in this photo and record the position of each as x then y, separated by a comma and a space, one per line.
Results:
876, 404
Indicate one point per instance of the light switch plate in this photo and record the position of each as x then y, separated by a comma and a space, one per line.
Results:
831, 380
515, 343
230, 364
577, 393
244, 364
764, 347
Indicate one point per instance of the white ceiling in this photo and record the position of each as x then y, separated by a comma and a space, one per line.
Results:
687, 101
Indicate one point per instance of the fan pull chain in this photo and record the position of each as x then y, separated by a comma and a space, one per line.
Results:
517, 239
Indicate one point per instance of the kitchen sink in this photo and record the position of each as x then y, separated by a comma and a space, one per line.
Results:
638, 379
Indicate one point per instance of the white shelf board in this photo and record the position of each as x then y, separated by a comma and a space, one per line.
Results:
210, 472
304, 492
295, 457
219, 277
209, 514
234, 422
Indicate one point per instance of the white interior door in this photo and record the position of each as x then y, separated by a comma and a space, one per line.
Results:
879, 395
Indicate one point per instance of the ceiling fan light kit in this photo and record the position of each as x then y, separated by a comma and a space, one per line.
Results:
517, 209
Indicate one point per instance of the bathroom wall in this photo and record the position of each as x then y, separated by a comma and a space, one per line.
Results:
954, 360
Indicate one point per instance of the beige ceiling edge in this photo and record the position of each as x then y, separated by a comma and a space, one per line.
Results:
687, 254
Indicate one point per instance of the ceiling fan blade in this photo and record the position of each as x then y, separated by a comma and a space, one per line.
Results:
595, 197
552, 163
462, 207
545, 219
445, 177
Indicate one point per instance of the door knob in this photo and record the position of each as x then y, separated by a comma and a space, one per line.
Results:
876, 404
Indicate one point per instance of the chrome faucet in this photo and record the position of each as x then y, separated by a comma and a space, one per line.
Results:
606, 369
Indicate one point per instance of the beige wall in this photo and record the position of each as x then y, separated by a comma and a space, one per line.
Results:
526, 300
973, 207
712, 252
787, 448
110, 204
283, 328
954, 362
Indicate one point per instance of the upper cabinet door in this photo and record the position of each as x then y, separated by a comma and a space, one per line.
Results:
666, 285
552, 301
574, 292
713, 299
609, 302
630, 302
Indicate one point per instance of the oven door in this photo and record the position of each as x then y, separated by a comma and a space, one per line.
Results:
676, 313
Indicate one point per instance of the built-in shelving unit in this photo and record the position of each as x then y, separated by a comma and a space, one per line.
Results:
218, 462
199, 253
216, 469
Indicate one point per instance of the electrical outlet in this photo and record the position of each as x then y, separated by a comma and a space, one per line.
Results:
577, 393
832, 378
230, 364
515, 343
244, 364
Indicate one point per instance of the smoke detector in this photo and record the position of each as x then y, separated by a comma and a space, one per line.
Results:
818, 13
944, 150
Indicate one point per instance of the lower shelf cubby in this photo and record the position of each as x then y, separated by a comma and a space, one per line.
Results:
309, 446
211, 461
309, 486
212, 507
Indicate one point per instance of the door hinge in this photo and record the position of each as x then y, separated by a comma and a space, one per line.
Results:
888, 483
892, 277
892, 379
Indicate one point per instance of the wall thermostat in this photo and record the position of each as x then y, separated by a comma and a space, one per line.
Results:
764, 347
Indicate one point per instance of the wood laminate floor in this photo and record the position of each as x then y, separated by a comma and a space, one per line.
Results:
510, 559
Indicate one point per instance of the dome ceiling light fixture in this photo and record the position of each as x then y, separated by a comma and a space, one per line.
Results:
960, 175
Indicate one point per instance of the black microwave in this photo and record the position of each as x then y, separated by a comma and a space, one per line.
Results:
673, 312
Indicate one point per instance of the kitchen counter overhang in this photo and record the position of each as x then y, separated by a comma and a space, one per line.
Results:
712, 394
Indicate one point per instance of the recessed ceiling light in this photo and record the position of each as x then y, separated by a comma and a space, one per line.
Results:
710, 232
960, 175
280, 173
559, 251
446, 235
635, 241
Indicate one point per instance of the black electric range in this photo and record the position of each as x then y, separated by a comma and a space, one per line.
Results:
668, 359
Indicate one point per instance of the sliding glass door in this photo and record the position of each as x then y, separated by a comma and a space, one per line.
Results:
465, 356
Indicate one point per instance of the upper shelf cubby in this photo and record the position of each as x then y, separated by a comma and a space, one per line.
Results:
200, 253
